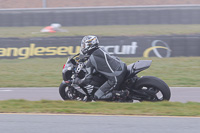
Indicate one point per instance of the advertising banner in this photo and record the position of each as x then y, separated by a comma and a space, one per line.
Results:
121, 46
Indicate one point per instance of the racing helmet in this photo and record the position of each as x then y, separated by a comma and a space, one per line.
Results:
89, 43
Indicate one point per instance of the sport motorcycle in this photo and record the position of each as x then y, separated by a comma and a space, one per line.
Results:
145, 88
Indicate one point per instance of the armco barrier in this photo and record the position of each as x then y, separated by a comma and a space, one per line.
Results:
148, 46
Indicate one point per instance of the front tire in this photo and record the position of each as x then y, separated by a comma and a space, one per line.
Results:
67, 92
62, 91
155, 88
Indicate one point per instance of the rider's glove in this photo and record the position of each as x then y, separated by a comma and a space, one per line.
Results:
68, 81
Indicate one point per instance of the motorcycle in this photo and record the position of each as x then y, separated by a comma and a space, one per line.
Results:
145, 88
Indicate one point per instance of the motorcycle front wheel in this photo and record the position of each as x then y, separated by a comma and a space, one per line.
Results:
66, 92
153, 88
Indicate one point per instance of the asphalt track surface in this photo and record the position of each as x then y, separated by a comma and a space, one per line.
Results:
48, 123
31, 123
178, 94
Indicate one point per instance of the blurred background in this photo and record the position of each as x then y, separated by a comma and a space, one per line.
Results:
37, 36
89, 3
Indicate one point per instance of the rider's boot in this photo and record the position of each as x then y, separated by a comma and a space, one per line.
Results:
120, 95
88, 98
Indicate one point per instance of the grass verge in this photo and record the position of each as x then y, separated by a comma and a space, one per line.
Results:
110, 30
104, 108
37, 72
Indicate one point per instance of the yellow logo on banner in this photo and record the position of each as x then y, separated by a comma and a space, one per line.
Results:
32, 50
154, 48
147, 51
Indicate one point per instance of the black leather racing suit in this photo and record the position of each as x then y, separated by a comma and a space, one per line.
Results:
109, 66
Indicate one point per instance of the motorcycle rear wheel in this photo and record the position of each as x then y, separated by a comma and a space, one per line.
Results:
155, 88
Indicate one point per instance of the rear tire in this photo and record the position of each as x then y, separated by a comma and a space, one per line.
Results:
154, 86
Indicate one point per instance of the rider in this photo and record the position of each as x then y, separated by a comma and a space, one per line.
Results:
109, 66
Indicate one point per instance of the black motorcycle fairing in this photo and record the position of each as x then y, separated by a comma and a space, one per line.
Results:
98, 79
67, 75
137, 67
130, 69
146, 88
141, 65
